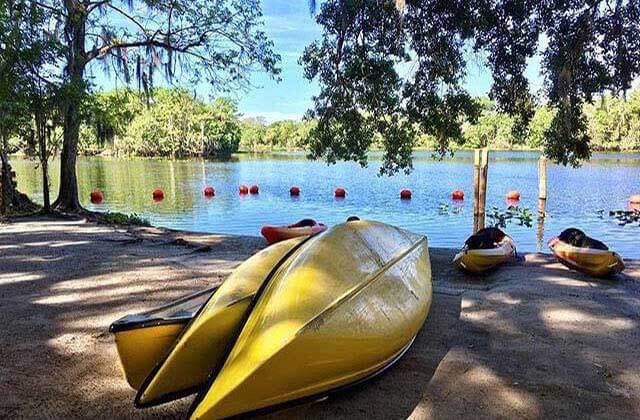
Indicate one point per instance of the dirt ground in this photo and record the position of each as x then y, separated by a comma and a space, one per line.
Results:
532, 340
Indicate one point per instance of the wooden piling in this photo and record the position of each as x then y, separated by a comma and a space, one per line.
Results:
480, 173
542, 178
542, 212
476, 190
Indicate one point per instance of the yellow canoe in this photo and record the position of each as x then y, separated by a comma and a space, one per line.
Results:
594, 262
346, 305
143, 339
482, 260
202, 343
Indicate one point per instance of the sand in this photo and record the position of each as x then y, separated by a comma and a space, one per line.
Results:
532, 340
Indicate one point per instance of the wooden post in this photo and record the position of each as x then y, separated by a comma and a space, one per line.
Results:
480, 172
476, 190
542, 178
542, 205
482, 187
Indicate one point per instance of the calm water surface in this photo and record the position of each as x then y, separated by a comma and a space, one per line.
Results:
575, 195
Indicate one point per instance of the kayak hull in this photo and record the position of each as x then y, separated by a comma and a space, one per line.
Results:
593, 262
346, 306
478, 261
275, 234
201, 344
142, 340
141, 349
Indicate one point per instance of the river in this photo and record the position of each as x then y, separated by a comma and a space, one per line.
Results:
575, 196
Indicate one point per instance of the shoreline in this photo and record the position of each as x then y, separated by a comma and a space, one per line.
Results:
530, 340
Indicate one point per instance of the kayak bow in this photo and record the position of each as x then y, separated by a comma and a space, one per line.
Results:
345, 306
204, 340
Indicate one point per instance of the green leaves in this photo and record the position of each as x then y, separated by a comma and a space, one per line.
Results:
382, 73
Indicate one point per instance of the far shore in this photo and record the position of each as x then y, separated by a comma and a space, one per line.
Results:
530, 340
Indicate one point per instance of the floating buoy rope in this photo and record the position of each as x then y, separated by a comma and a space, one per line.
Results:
158, 194
340, 193
244, 189
405, 194
294, 191
209, 192
513, 195
96, 196
457, 195
254, 189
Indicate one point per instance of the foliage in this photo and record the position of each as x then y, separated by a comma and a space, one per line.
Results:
614, 124
258, 136
116, 218
188, 40
500, 219
179, 125
384, 70
30, 92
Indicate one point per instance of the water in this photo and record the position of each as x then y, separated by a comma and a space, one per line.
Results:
575, 195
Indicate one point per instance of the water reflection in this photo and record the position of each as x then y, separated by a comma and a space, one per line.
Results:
575, 195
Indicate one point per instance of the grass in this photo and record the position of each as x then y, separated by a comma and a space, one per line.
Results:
125, 219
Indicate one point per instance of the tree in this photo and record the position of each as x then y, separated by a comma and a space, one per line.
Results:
27, 89
384, 69
219, 42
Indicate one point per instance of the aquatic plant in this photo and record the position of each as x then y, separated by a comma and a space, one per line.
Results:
446, 209
624, 217
500, 218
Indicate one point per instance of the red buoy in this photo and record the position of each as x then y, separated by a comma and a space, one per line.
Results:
158, 194
513, 196
209, 192
457, 195
253, 189
634, 199
96, 196
294, 191
340, 193
244, 189
405, 194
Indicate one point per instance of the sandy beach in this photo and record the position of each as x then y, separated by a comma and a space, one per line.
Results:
532, 340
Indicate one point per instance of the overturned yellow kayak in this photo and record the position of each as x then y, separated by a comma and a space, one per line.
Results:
482, 260
346, 305
591, 261
143, 339
204, 340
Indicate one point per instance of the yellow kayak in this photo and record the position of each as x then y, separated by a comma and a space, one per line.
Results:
345, 306
204, 340
594, 262
143, 339
482, 260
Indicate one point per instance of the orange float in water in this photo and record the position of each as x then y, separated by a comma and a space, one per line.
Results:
254, 189
244, 189
158, 194
96, 197
209, 192
457, 195
304, 227
634, 202
513, 195
294, 191
340, 193
405, 194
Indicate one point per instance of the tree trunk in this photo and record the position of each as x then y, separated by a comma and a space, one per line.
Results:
67, 200
45, 139
3, 195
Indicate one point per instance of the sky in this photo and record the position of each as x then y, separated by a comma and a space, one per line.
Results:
291, 27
